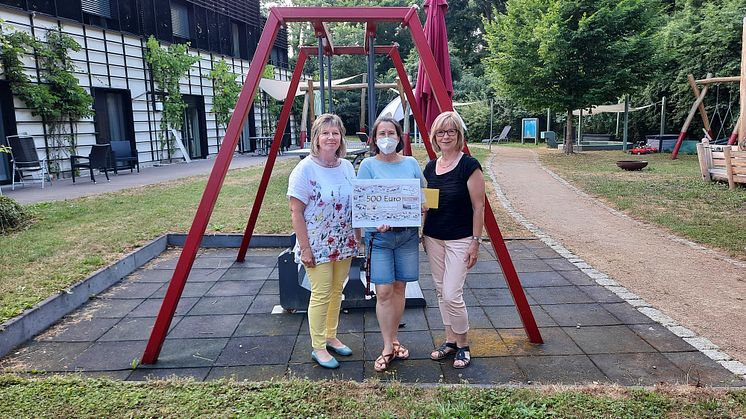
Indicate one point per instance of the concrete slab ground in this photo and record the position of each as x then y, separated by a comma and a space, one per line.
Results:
223, 328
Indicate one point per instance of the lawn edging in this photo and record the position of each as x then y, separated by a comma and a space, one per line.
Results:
35, 320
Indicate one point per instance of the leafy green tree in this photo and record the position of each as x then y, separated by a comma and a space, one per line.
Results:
571, 54
465, 22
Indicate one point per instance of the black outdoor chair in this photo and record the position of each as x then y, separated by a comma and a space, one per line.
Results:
363, 137
26, 160
124, 156
100, 158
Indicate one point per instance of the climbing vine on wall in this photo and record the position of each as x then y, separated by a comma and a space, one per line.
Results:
168, 66
58, 97
226, 90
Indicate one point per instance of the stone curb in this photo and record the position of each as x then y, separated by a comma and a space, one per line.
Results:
700, 343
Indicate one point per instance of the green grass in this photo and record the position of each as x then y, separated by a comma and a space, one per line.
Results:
73, 396
71, 239
668, 193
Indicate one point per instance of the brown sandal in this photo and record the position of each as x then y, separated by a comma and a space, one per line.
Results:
383, 361
401, 351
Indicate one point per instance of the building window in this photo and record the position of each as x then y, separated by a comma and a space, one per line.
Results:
97, 7
236, 39
180, 20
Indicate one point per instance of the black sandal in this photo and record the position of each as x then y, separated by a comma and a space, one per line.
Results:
464, 355
445, 350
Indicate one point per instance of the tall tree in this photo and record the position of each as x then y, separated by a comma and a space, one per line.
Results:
465, 22
569, 54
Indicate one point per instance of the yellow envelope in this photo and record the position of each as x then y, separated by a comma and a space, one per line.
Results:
432, 197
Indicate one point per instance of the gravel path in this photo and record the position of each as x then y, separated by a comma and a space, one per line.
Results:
698, 288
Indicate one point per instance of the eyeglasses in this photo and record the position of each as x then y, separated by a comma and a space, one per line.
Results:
442, 133
330, 134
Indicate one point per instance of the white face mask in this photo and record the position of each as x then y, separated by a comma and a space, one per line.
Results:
386, 145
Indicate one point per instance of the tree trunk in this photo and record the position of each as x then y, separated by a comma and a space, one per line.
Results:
568, 133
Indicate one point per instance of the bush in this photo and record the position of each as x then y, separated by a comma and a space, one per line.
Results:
12, 215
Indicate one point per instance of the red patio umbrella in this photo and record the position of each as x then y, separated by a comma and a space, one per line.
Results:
437, 38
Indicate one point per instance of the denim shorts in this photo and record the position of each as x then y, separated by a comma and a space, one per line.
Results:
395, 256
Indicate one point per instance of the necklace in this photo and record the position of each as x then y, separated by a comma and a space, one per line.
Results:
327, 165
445, 165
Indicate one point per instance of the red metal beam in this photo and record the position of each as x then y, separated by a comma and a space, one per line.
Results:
370, 31
210, 195
322, 30
343, 14
348, 50
272, 155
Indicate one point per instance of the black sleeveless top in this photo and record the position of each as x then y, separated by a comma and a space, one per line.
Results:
454, 217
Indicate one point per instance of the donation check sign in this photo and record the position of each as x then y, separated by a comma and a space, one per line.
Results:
395, 202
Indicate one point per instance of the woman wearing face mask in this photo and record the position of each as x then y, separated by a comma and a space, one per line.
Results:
394, 250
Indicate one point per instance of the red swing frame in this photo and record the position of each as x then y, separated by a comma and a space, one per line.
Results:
407, 17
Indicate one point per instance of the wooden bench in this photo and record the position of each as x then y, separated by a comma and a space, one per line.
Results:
722, 162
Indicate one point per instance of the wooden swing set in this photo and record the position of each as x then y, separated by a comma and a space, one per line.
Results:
720, 162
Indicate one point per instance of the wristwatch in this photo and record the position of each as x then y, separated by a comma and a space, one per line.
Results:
476, 239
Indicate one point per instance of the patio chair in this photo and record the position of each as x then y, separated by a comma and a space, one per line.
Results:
26, 160
124, 156
363, 137
100, 158
502, 137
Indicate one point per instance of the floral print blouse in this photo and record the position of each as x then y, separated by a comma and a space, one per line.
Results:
327, 193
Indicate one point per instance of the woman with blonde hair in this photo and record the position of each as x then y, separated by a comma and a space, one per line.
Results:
452, 232
320, 191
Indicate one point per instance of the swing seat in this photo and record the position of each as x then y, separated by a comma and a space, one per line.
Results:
724, 163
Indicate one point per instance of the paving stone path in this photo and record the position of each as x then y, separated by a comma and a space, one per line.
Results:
223, 328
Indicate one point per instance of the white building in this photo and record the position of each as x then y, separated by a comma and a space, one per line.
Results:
111, 66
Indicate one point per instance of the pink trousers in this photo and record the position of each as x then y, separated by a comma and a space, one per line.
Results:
449, 274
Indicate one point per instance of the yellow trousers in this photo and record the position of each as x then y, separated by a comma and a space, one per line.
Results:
327, 280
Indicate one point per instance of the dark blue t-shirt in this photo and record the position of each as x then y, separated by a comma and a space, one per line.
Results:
454, 217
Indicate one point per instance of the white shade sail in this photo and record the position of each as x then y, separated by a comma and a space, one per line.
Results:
616, 108
278, 89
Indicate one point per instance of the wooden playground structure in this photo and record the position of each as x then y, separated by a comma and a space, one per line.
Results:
720, 162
